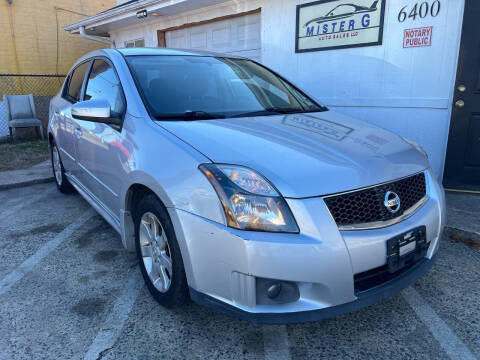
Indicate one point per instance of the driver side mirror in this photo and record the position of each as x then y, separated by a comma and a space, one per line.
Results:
95, 111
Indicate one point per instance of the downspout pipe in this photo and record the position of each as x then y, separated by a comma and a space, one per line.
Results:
95, 38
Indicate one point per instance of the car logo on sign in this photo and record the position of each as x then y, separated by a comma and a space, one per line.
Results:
343, 11
392, 202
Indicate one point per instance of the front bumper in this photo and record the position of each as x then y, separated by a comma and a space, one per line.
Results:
223, 264
364, 299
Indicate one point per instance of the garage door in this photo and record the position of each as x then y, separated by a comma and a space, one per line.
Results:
237, 36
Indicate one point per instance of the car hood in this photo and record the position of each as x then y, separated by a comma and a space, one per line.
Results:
304, 155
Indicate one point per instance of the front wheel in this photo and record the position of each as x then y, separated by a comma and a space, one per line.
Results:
159, 254
58, 171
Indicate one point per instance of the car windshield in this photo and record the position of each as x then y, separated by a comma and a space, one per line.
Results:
197, 87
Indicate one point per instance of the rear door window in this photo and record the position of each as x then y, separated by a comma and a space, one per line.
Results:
76, 81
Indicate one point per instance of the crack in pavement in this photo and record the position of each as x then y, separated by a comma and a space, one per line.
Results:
104, 352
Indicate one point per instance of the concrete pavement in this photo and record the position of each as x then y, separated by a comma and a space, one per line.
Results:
37, 174
463, 218
84, 298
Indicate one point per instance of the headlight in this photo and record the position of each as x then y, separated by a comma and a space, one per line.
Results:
416, 146
249, 200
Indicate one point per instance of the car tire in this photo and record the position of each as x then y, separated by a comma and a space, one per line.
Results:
61, 179
156, 243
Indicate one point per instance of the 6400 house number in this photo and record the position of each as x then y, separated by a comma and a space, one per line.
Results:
421, 11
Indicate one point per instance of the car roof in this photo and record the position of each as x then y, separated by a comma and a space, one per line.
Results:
172, 52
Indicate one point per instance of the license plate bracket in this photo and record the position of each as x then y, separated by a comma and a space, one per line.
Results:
406, 248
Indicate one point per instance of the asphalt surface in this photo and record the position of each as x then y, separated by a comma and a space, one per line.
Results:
68, 290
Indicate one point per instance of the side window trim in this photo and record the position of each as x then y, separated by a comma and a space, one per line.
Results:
67, 83
87, 78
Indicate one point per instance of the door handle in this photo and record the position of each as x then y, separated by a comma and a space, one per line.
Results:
78, 132
459, 104
58, 114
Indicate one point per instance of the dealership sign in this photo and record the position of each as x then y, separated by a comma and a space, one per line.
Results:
337, 24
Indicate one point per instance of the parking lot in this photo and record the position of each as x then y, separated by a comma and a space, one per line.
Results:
68, 290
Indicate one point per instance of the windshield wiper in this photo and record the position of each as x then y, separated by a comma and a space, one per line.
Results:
277, 111
190, 115
267, 111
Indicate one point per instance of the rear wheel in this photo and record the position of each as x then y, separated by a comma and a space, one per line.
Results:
58, 171
159, 254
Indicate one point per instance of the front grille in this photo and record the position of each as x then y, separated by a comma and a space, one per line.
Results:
367, 205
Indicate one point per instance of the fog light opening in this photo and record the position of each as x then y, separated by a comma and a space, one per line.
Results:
274, 290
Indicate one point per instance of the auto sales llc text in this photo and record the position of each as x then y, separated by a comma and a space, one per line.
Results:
338, 26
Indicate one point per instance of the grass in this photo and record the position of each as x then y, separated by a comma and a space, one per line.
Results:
22, 154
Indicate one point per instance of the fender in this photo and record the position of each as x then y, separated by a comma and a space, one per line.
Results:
127, 222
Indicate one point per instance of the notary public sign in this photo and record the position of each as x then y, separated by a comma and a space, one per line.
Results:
417, 37
338, 24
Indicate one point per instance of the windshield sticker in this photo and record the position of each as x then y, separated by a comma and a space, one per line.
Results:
326, 128
337, 24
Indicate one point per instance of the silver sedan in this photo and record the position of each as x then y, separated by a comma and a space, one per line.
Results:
239, 190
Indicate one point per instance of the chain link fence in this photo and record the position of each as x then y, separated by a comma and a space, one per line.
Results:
43, 87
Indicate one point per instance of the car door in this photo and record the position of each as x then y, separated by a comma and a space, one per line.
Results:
102, 151
66, 137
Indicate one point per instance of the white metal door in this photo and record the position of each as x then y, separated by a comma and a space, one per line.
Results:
236, 36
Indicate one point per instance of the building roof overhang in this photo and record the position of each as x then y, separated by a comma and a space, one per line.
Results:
126, 14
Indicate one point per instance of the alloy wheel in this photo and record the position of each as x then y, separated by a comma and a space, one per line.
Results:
57, 166
155, 251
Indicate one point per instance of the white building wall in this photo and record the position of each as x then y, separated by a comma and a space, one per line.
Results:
408, 91
148, 30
